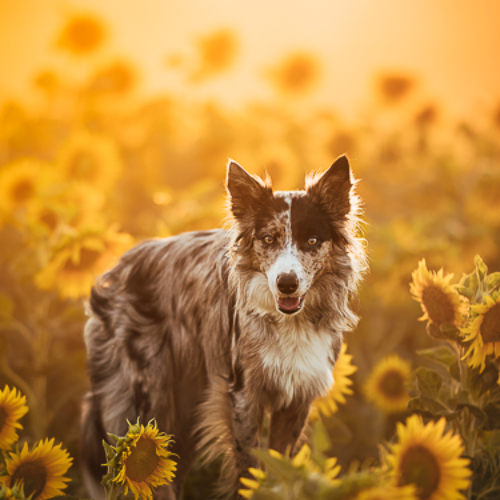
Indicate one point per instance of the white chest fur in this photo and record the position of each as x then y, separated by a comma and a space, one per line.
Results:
298, 361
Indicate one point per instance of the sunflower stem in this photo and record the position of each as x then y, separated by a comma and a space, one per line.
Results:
112, 490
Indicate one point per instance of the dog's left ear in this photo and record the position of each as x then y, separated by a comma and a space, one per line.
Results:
332, 188
247, 192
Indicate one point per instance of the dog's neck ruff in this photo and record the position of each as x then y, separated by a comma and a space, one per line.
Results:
298, 360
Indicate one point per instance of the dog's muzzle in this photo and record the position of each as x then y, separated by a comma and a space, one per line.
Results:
287, 284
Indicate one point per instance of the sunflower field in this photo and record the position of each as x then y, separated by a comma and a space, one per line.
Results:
94, 168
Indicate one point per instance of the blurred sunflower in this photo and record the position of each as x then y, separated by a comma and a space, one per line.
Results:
91, 159
439, 300
328, 405
394, 87
119, 77
386, 385
78, 259
483, 331
44, 216
145, 462
19, 182
82, 34
429, 459
387, 492
298, 74
47, 81
217, 53
252, 484
41, 471
12, 408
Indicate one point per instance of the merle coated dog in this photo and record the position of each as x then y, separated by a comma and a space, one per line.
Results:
207, 331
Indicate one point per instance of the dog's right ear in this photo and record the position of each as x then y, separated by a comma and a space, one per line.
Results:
246, 192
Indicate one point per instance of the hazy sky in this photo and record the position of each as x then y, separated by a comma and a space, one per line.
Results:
452, 46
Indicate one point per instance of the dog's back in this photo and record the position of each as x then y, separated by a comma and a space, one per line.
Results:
150, 344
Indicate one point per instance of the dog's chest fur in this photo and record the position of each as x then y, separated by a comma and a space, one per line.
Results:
298, 360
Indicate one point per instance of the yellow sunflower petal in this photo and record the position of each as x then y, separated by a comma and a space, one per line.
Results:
41, 471
440, 301
429, 459
484, 333
12, 408
327, 405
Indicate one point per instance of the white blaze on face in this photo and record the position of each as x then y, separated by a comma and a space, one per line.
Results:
288, 259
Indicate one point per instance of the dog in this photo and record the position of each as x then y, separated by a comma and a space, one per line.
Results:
208, 331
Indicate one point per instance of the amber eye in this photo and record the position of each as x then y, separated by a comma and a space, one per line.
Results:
269, 240
312, 241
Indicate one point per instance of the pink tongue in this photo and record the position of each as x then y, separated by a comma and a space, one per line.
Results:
289, 303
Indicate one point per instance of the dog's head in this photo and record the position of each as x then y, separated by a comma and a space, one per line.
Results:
291, 238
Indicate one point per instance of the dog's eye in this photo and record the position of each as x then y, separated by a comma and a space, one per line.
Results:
312, 241
269, 240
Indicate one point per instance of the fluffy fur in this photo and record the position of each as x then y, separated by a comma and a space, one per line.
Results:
207, 331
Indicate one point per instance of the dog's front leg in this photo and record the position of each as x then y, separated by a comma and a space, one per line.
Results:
248, 415
286, 426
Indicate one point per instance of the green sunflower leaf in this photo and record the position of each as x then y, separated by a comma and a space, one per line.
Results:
492, 412
481, 268
442, 353
493, 281
428, 381
468, 285
427, 405
475, 411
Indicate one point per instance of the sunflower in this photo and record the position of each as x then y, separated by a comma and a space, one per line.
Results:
297, 74
145, 462
19, 182
439, 300
12, 408
217, 53
41, 471
386, 385
328, 405
118, 77
90, 158
82, 34
429, 459
78, 260
483, 331
394, 87
387, 492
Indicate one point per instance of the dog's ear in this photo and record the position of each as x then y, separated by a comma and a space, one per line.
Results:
246, 192
332, 188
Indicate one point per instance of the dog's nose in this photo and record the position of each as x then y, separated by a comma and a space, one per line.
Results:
287, 282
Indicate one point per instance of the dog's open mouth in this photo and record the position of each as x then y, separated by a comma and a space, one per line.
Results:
289, 305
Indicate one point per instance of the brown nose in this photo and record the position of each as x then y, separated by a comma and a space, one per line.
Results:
287, 282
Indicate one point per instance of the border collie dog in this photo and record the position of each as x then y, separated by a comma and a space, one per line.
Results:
207, 331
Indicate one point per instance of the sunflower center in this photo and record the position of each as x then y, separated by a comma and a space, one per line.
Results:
490, 327
49, 218
22, 190
87, 259
438, 305
419, 467
33, 476
392, 384
142, 461
3, 417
